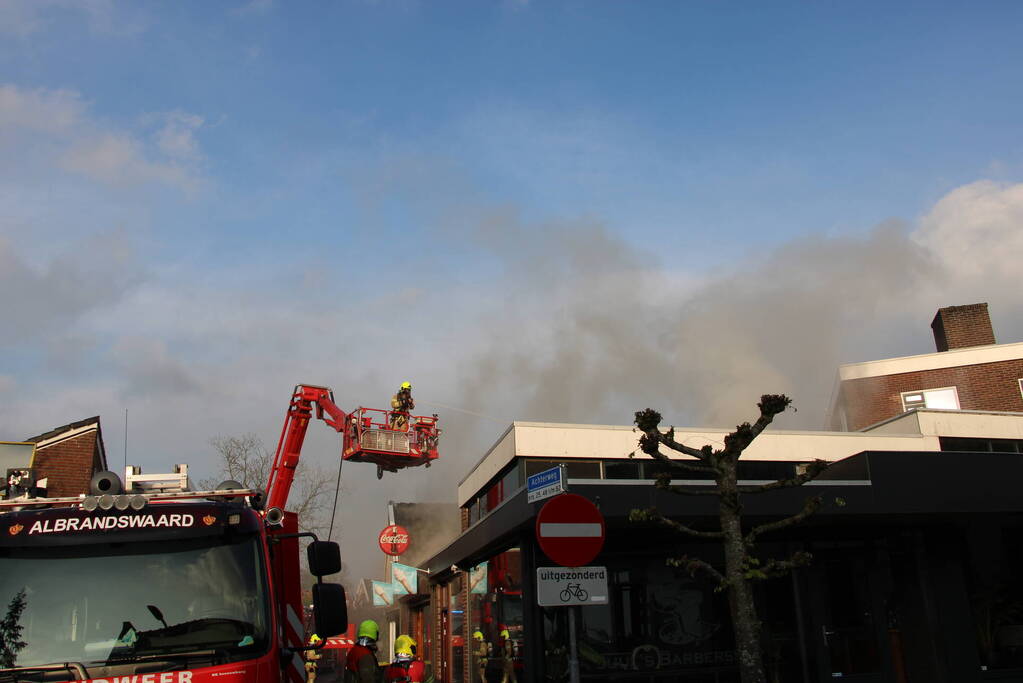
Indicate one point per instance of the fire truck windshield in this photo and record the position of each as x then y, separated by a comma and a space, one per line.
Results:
116, 602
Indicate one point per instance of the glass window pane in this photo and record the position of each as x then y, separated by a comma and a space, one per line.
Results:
614, 469
575, 469
945, 399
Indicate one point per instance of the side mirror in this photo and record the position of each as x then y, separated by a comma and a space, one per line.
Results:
324, 558
330, 609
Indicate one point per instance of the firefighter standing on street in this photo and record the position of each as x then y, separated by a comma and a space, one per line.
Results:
401, 405
405, 667
361, 664
507, 657
311, 658
482, 654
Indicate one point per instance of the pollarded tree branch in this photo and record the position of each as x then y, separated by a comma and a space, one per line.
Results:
663, 483
770, 405
652, 515
774, 569
694, 565
813, 470
809, 508
649, 422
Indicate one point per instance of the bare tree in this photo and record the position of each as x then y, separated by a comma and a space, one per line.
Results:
742, 566
245, 459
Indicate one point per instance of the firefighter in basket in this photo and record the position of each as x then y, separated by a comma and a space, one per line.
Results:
401, 405
311, 659
405, 668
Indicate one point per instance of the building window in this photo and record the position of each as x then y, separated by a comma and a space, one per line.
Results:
942, 399
1021, 387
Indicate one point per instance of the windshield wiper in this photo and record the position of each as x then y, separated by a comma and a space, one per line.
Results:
156, 656
76, 668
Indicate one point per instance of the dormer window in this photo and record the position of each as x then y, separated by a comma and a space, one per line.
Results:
941, 399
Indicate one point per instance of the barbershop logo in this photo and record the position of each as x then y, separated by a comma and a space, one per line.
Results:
15, 529
63, 525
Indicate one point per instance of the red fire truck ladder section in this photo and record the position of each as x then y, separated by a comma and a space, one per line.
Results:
390, 440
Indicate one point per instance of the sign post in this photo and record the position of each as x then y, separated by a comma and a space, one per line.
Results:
570, 531
545, 484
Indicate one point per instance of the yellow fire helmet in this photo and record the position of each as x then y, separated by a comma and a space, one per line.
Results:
478, 635
404, 646
505, 634
313, 639
406, 385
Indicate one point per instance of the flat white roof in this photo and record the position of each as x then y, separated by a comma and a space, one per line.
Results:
974, 355
917, 430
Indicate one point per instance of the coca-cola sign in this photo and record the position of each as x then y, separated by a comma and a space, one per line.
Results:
394, 540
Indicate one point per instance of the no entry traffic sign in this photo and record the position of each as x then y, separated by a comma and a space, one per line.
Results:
570, 530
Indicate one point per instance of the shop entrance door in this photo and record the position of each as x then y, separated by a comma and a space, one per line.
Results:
847, 616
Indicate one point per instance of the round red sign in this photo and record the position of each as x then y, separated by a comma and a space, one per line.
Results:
570, 530
393, 540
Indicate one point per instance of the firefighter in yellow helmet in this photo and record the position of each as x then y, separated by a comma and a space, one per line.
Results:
401, 404
507, 657
482, 650
406, 667
311, 659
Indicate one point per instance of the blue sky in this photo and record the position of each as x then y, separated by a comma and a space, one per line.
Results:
534, 210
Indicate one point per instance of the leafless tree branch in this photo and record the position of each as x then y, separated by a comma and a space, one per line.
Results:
809, 508
813, 470
652, 515
694, 565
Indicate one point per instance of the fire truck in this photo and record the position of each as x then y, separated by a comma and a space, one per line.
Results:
148, 581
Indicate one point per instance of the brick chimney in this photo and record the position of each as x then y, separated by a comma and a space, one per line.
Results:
959, 327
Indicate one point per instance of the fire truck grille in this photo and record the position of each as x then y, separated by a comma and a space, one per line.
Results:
385, 440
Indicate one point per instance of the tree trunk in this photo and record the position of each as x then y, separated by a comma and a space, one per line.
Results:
745, 623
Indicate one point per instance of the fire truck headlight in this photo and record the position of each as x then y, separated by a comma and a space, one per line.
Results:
138, 502
106, 501
122, 502
90, 503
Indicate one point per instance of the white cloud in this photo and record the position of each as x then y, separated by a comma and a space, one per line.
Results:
53, 128
49, 111
24, 18
176, 137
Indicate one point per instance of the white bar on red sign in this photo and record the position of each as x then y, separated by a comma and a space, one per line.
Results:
570, 530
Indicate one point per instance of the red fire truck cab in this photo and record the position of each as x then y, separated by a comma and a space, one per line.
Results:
148, 581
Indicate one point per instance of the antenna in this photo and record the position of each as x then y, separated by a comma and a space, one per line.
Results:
126, 438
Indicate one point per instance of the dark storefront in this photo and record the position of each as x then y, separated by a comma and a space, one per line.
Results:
913, 579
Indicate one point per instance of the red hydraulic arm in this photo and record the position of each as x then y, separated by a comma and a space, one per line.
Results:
289, 448
391, 440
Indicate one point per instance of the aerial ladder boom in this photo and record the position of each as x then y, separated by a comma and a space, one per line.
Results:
368, 435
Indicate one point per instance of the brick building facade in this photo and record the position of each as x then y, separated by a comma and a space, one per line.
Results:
68, 456
969, 371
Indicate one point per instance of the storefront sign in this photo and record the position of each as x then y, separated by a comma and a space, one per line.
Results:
545, 484
383, 594
394, 540
478, 579
404, 579
564, 586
